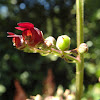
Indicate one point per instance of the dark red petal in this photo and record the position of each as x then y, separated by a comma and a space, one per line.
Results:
37, 37
10, 33
38, 31
14, 35
17, 42
21, 28
26, 25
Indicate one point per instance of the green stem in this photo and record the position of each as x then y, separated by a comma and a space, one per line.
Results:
64, 55
80, 39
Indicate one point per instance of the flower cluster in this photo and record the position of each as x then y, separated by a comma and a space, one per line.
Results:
32, 41
31, 36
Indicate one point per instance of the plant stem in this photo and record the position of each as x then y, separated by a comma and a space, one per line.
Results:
64, 55
80, 39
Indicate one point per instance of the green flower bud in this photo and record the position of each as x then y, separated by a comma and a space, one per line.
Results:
83, 48
50, 41
63, 42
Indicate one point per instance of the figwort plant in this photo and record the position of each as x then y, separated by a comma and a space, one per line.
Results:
32, 41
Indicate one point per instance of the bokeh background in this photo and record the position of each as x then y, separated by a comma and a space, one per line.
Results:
31, 71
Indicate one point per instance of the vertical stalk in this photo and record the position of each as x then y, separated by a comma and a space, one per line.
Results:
80, 39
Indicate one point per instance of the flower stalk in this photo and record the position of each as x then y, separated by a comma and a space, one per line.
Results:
80, 39
32, 41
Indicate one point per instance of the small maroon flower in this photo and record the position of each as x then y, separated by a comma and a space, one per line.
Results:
31, 35
17, 40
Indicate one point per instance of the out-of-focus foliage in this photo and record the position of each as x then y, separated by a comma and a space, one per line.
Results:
53, 17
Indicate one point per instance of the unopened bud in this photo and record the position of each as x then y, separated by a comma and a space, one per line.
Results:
50, 41
63, 42
83, 48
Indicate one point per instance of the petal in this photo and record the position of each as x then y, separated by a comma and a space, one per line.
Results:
38, 31
37, 37
13, 35
17, 41
10, 33
21, 28
39, 34
26, 25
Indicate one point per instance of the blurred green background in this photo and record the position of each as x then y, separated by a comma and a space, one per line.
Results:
53, 17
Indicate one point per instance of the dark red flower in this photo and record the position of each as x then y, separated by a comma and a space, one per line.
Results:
31, 35
17, 40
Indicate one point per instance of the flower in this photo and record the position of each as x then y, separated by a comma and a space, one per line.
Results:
17, 40
31, 35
